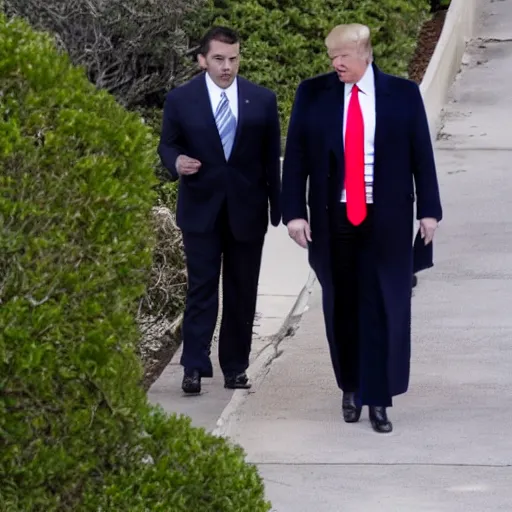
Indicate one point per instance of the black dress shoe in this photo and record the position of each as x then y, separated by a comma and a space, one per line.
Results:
191, 382
238, 381
351, 412
379, 420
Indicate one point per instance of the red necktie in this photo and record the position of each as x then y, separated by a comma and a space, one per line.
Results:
354, 161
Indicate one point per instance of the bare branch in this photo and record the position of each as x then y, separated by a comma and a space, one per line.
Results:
132, 48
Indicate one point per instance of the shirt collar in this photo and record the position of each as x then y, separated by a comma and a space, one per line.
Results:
219, 90
366, 84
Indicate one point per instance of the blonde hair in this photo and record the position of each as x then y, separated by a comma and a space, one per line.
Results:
356, 33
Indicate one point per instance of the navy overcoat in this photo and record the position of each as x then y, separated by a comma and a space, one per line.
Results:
404, 171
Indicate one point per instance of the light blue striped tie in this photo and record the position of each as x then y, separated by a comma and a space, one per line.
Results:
226, 124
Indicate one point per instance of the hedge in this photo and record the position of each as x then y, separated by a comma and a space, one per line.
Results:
136, 54
283, 40
76, 430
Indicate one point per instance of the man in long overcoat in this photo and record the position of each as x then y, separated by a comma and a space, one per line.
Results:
362, 139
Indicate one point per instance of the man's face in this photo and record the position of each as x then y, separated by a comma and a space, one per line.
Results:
349, 62
221, 62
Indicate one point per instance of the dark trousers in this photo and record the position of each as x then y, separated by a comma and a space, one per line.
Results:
360, 322
241, 263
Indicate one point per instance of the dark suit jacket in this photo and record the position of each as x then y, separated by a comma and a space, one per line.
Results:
248, 181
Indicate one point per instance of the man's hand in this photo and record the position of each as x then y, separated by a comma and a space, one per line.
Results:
298, 229
186, 165
428, 227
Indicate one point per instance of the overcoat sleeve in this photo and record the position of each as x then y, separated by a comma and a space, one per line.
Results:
295, 166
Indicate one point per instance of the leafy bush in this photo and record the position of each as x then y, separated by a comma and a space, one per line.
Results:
76, 431
136, 51
283, 40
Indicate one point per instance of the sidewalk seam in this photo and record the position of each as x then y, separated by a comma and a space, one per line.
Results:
261, 364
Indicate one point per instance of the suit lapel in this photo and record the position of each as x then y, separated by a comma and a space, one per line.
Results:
243, 103
204, 111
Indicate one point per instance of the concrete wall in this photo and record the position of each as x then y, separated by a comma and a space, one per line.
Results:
447, 58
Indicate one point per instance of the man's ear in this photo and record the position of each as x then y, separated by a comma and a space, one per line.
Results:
201, 60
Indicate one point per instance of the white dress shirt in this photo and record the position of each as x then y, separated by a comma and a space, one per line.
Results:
214, 91
367, 101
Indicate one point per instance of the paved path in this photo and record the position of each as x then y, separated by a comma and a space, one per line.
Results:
452, 446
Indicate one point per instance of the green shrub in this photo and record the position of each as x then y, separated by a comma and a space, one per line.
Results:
76, 431
136, 54
283, 40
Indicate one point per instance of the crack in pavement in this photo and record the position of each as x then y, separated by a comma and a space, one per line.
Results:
480, 40
472, 149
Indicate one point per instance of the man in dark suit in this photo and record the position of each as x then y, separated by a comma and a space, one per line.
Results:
221, 139
362, 138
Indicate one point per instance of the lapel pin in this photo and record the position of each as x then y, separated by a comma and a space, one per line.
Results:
246, 101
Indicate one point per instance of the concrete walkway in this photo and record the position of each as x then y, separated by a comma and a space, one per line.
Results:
451, 449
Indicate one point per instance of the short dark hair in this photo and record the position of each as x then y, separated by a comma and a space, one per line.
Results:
222, 34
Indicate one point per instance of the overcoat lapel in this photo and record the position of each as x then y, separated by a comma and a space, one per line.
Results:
382, 114
334, 117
